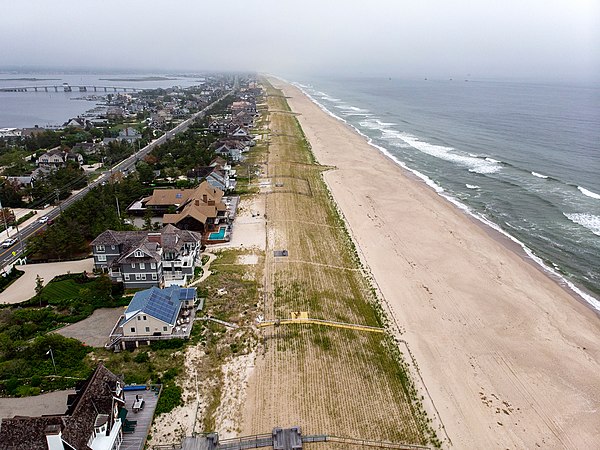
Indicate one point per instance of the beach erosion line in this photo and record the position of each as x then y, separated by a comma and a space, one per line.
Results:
579, 293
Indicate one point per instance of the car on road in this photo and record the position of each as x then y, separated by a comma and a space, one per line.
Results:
43, 219
9, 242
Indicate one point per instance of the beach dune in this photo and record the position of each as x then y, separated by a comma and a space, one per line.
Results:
511, 358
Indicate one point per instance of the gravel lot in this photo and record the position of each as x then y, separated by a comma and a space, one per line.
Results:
94, 330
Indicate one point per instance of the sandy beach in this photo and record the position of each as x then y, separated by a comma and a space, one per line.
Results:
511, 359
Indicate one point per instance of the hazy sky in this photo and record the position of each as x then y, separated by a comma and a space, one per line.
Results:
510, 38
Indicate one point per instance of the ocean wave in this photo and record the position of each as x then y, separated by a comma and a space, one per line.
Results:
472, 186
476, 165
492, 160
588, 193
595, 303
345, 107
376, 124
588, 221
539, 175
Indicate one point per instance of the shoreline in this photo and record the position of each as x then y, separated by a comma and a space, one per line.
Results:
579, 293
499, 343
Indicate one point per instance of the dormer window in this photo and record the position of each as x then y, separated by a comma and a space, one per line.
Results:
139, 254
100, 248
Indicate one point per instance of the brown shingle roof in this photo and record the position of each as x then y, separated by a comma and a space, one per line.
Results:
77, 424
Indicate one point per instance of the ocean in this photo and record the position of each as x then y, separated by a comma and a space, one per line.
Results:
27, 109
522, 157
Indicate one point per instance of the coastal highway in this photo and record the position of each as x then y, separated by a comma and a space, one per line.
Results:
13, 253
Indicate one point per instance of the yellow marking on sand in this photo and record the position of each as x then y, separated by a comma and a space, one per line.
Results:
301, 317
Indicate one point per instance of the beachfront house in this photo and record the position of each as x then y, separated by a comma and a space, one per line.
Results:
141, 259
155, 314
201, 209
218, 174
91, 421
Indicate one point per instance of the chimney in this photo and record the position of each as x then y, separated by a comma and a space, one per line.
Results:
154, 237
54, 437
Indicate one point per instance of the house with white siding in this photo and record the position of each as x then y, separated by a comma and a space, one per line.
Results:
155, 314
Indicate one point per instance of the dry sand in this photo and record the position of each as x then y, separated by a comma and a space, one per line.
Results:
510, 358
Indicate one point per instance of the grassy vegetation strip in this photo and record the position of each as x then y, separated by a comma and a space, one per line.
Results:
343, 382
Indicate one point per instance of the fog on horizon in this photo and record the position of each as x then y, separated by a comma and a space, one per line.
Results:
511, 39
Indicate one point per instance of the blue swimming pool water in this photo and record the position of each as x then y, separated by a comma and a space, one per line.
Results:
218, 235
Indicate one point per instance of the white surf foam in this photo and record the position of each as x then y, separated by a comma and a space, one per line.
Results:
539, 175
472, 186
595, 303
492, 160
588, 221
345, 107
477, 165
588, 193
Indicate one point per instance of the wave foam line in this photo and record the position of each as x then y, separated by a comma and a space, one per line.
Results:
592, 301
588, 221
539, 175
588, 193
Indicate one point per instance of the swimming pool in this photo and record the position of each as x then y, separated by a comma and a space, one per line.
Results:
217, 235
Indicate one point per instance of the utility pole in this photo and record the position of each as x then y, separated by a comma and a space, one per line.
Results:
52, 356
118, 209
5, 222
58, 201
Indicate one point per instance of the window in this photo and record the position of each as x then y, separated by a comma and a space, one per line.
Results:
153, 265
154, 277
139, 253
143, 276
139, 317
101, 258
140, 276
147, 329
100, 248
142, 266
126, 277
144, 317
133, 265
165, 329
133, 329
112, 247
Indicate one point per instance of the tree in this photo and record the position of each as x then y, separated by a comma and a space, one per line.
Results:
39, 287
147, 220
145, 172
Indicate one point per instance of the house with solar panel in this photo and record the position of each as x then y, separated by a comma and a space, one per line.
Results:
155, 314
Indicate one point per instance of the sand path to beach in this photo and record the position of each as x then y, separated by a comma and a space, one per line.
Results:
511, 359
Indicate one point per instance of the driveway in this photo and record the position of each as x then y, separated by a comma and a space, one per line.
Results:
24, 288
51, 403
94, 330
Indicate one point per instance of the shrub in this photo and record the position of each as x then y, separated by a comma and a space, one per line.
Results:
170, 398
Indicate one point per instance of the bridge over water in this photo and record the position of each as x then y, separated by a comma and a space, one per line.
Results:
65, 87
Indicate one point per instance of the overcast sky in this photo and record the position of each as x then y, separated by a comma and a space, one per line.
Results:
484, 38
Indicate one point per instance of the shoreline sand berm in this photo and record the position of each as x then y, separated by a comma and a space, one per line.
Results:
511, 359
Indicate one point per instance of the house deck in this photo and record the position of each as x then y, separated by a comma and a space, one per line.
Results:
182, 330
136, 440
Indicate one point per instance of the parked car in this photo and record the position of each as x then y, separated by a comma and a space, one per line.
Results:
9, 242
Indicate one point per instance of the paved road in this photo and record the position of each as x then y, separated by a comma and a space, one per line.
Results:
12, 254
